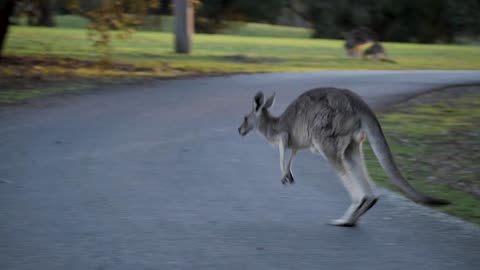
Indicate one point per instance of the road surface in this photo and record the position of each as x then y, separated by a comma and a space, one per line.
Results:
157, 177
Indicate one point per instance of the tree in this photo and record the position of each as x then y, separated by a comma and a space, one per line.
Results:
213, 15
183, 25
422, 21
46, 12
38, 12
165, 8
6, 10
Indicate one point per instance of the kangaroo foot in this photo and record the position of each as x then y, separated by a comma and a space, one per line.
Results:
342, 223
288, 179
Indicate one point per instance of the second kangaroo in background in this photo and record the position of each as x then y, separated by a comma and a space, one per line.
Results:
357, 38
377, 52
333, 123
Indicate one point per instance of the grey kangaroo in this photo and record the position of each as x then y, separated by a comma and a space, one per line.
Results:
333, 123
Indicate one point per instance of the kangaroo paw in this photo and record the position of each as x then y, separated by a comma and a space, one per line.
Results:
288, 179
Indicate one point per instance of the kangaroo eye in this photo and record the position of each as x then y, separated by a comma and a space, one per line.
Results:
245, 119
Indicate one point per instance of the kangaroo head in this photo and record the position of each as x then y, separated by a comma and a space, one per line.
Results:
250, 121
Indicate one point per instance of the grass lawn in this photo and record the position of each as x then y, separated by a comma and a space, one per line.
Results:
435, 141
213, 53
150, 54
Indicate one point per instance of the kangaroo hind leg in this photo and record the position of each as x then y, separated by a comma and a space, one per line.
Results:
357, 171
349, 218
333, 151
288, 175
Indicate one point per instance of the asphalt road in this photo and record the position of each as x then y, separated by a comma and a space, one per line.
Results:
158, 178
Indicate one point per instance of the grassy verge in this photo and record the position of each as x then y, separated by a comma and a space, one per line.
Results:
435, 140
237, 53
15, 95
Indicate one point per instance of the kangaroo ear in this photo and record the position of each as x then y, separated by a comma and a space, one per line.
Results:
258, 101
270, 101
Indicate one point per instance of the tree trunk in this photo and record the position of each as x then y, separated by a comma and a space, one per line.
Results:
6, 10
46, 13
184, 26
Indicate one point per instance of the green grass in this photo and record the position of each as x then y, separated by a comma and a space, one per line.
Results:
165, 24
12, 96
267, 54
435, 147
266, 30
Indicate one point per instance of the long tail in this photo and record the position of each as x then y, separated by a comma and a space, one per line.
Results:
382, 152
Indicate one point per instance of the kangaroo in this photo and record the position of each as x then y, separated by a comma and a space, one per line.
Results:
377, 52
333, 123
356, 38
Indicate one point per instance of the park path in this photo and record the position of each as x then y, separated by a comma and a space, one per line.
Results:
157, 178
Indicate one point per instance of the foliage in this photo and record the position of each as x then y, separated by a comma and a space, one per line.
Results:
38, 12
122, 15
213, 15
423, 21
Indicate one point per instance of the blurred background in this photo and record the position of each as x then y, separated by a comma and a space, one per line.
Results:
89, 42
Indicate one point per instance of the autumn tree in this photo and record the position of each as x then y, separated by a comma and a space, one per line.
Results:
121, 16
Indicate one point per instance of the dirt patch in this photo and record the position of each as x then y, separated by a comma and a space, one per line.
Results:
26, 72
27, 77
22, 64
239, 58
22, 78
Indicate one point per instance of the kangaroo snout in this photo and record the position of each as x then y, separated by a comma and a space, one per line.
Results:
241, 132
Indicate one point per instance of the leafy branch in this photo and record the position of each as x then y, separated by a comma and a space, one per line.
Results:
122, 16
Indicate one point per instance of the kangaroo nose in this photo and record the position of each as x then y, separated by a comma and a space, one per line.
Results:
239, 131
